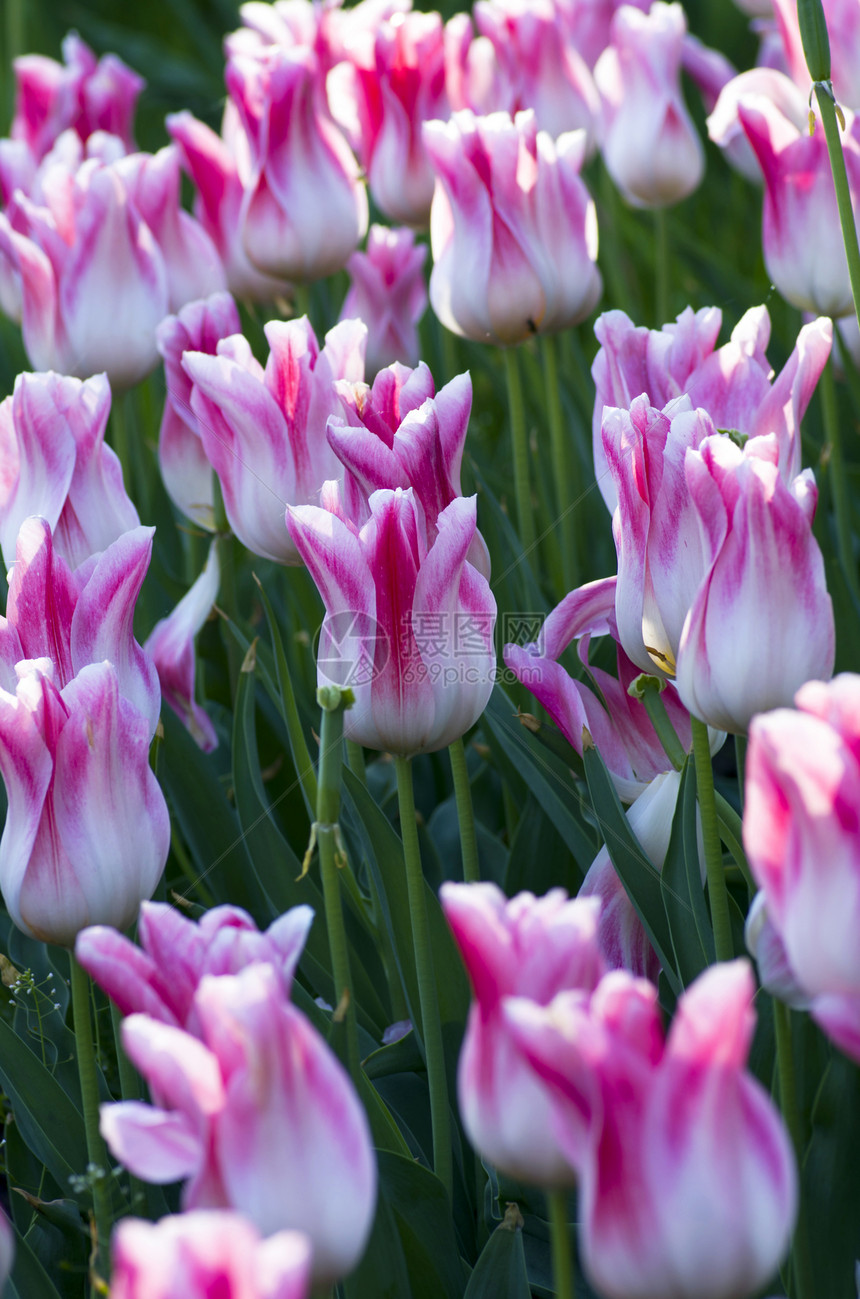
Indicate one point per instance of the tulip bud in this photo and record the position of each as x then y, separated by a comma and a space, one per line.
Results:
388, 293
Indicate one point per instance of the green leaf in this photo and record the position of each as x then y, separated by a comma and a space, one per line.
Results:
422, 1214
500, 1272
636, 871
51, 1125
539, 859
29, 1279
681, 886
831, 1188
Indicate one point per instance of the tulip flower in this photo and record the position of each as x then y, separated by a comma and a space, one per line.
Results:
688, 1186
170, 645
196, 1255
526, 947
257, 1115
512, 228
160, 978
408, 626
305, 209
220, 167
263, 431
392, 82
650, 145
185, 471
81, 617
87, 832
389, 440
56, 465
388, 293
799, 203
81, 93
768, 84
801, 838
733, 383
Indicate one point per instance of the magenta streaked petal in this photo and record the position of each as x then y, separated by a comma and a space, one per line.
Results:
154, 1144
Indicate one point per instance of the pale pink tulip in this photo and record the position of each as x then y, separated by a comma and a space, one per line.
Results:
198, 1255
263, 431
512, 228
526, 947
389, 294
409, 624
56, 464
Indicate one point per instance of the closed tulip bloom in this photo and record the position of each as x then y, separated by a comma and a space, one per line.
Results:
512, 228
263, 431
160, 978
207, 1252
81, 93
389, 294
765, 83
409, 623
650, 145
185, 470
87, 833
761, 622
256, 1115
305, 208
800, 202
689, 1186
733, 383
56, 465
81, 617
801, 837
526, 947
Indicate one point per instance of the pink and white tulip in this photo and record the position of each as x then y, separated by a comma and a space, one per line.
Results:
198, 1255
733, 383
688, 1186
185, 470
259, 1079
161, 977
801, 838
409, 622
170, 645
263, 431
305, 208
526, 947
512, 228
650, 146
389, 294
79, 618
87, 832
56, 464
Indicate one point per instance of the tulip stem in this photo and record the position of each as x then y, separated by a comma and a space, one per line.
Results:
465, 812
788, 1103
713, 847
838, 479
562, 1255
562, 455
661, 242
828, 110
740, 763
431, 1023
520, 447
98, 1167
333, 702
130, 1090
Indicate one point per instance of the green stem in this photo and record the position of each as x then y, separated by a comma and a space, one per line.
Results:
731, 831
97, 1155
428, 1000
661, 233
130, 1090
562, 457
740, 763
520, 448
838, 479
790, 1112
562, 1255
332, 702
713, 848
652, 698
229, 598
827, 108
465, 812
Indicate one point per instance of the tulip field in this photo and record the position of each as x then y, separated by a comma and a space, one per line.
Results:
430, 667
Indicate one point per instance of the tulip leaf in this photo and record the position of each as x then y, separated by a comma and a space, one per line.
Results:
831, 1188
539, 859
51, 1125
422, 1214
681, 886
544, 775
635, 870
28, 1277
500, 1272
